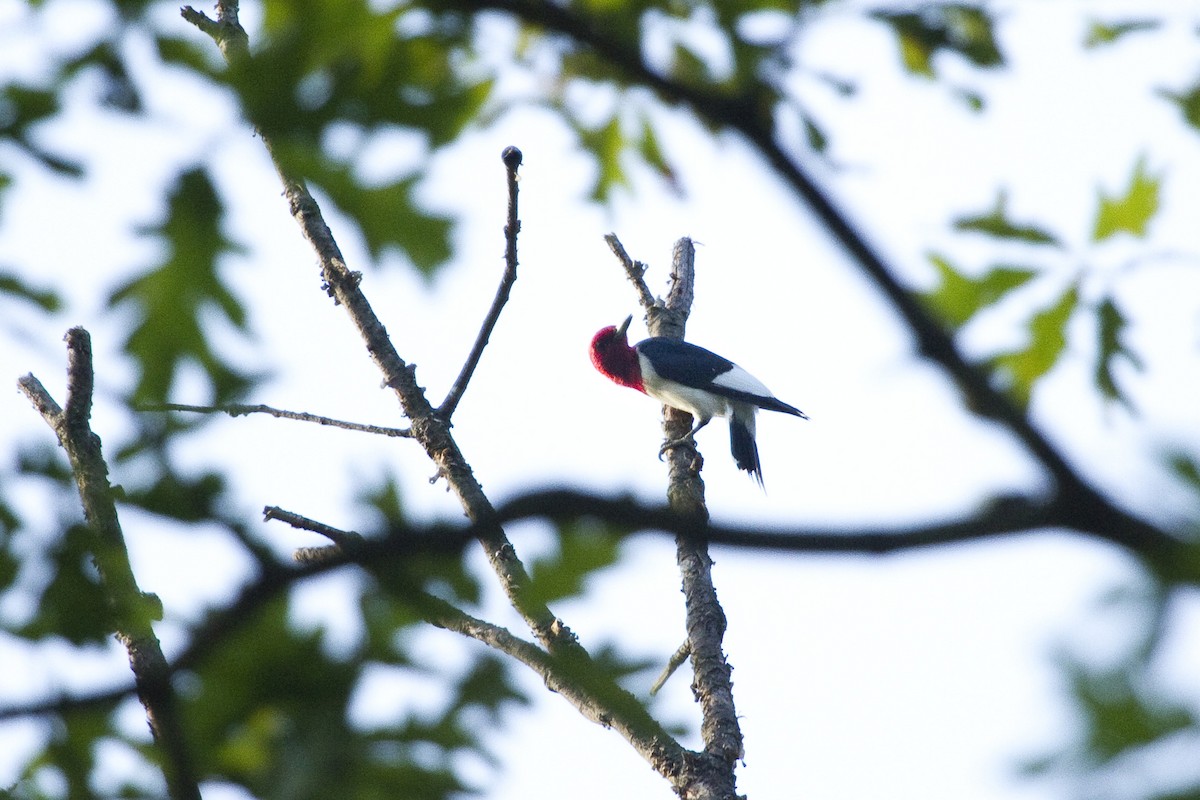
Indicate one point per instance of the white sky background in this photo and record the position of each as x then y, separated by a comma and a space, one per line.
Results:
920, 675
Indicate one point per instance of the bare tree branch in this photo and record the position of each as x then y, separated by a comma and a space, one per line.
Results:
432, 431
592, 693
712, 682
711, 773
634, 270
674, 663
342, 540
133, 612
428, 428
512, 161
238, 410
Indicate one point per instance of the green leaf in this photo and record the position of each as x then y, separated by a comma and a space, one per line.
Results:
70, 755
842, 86
617, 665
185, 499
268, 710
1185, 467
386, 503
957, 27
817, 139
118, 90
652, 153
971, 99
1188, 102
1101, 33
1130, 212
389, 216
195, 55
997, 223
1119, 714
606, 144
21, 109
1047, 341
1111, 345
73, 604
325, 63
436, 571
584, 547
689, 69
487, 686
14, 286
171, 300
957, 297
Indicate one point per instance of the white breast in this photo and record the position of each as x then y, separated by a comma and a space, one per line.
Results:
700, 404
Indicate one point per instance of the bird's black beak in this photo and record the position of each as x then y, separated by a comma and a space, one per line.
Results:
624, 326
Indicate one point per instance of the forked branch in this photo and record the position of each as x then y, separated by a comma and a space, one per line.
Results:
132, 611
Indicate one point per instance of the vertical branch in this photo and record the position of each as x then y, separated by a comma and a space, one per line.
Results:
711, 681
512, 161
133, 612
710, 772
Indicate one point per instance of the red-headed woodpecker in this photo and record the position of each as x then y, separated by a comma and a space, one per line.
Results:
694, 380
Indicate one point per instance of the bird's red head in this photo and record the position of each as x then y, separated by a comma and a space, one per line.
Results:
613, 357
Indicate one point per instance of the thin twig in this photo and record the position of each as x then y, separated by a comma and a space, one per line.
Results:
674, 663
343, 541
512, 161
238, 410
133, 612
336, 535
634, 270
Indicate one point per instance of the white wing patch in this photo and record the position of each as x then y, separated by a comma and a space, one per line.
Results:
739, 380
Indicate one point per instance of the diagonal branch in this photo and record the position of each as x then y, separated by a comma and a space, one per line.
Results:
133, 612
512, 161
634, 270
429, 429
580, 683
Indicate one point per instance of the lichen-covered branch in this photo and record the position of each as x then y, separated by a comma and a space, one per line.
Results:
132, 611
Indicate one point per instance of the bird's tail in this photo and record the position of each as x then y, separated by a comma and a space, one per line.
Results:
742, 444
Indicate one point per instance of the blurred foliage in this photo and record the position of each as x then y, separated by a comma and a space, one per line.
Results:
270, 707
584, 548
272, 710
1131, 211
961, 28
1021, 369
959, 297
1128, 719
996, 223
1104, 33
169, 301
15, 286
72, 604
